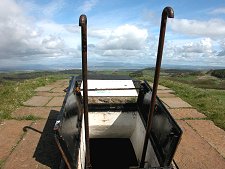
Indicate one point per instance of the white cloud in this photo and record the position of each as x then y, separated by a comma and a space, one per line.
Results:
23, 40
218, 11
214, 28
88, 5
125, 37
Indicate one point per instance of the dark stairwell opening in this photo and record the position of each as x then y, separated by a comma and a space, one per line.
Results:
112, 153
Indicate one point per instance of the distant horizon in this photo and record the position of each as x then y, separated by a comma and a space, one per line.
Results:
96, 68
42, 34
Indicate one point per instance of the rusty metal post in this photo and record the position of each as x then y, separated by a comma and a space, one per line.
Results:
167, 12
83, 24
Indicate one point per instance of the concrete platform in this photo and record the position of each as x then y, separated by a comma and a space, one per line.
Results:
37, 101
175, 102
182, 113
11, 132
211, 133
194, 152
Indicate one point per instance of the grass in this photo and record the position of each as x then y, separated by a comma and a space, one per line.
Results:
201, 90
14, 93
210, 102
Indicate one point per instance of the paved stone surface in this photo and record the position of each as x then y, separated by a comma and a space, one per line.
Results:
165, 91
37, 149
10, 133
186, 113
50, 94
42, 112
37, 101
160, 95
175, 102
211, 133
43, 89
199, 148
195, 152
160, 87
56, 101
58, 90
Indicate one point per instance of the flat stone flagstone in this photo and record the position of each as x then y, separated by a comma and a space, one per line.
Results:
43, 89
50, 94
165, 91
160, 87
58, 90
56, 101
37, 149
37, 101
42, 112
211, 133
10, 133
165, 95
175, 102
194, 152
182, 113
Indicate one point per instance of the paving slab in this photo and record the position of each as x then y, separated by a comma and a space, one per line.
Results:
160, 87
211, 133
186, 113
175, 102
50, 94
195, 152
37, 101
165, 95
10, 133
58, 90
37, 149
62, 82
56, 101
42, 112
43, 89
165, 91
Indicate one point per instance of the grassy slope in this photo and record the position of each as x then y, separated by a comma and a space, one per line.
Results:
14, 93
210, 102
199, 89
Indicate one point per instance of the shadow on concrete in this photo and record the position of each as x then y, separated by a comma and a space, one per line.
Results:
47, 152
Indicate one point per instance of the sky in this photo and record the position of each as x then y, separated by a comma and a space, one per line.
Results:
122, 33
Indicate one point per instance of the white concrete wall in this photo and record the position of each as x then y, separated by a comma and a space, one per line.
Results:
82, 150
118, 125
112, 124
137, 140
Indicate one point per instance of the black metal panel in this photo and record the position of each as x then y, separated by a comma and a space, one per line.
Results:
68, 126
165, 133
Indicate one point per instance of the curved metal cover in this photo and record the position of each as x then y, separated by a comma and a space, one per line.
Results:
165, 133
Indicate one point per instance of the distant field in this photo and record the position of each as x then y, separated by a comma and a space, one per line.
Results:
203, 90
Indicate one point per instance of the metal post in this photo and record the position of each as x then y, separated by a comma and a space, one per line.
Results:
83, 24
167, 12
